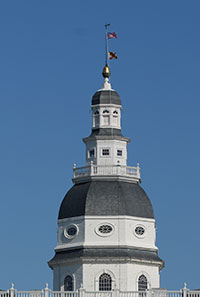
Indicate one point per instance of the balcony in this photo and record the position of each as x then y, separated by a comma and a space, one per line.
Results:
109, 171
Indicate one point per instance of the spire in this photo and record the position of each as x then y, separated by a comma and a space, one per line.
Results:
106, 74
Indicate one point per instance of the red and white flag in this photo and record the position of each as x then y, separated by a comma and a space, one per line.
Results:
111, 35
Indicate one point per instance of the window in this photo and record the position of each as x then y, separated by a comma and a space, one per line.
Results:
105, 282
96, 112
119, 153
105, 229
115, 112
105, 152
92, 153
68, 283
106, 111
71, 231
139, 230
142, 283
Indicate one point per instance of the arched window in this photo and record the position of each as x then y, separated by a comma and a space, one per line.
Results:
106, 111
68, 283
142, 283
105, 282
115, 118
96, 112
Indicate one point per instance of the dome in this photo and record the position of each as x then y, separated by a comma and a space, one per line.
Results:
102, 198
106, 97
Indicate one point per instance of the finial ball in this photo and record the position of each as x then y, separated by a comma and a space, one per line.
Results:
106, 71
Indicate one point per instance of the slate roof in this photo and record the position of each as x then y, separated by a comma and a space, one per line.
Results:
106, 133
102, 253
106, 97
103, 198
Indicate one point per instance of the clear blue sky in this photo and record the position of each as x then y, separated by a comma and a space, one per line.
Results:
51, 58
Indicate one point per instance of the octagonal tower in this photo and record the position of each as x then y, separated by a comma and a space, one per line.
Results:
106, 224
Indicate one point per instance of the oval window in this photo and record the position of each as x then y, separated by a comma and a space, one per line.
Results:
105, 229
71, 231
139, 230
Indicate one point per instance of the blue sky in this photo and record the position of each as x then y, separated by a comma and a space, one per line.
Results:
51, 58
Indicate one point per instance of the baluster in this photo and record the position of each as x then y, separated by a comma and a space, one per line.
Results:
12, 290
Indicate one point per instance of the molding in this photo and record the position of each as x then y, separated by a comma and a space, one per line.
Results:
105, 105
118, 260
105, 137
83, 179
75, 246
139, 219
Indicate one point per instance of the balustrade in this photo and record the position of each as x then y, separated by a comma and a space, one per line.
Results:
107, 170
185, 292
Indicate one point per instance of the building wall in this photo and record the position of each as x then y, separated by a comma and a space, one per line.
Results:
124, 276
61, 272
123, 232
106, 116
113, 146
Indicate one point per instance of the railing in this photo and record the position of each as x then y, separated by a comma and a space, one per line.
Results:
107, 170
133, 294
165, 293
100, 294
34, 293
62, 294
185, 292
4, 293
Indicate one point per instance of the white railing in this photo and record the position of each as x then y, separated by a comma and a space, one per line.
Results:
34, 293
107, 170
99, 294
62, 294
4, 293
185, 292
133, 294
165, 293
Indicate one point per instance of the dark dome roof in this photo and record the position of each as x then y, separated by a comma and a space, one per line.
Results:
106, 198
106, 97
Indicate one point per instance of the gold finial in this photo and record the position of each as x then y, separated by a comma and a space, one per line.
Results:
106, 71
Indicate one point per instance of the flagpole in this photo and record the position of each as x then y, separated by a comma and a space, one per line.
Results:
106, 43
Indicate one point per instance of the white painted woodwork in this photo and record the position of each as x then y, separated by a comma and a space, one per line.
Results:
123, 234
113, 165
106, 116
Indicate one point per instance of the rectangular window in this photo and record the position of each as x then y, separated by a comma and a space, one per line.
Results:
92, 153
105, 152
119, 153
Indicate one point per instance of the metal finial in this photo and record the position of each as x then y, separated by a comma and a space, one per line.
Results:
106, 71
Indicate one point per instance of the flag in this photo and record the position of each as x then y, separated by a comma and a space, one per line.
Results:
111, 35
112, 55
